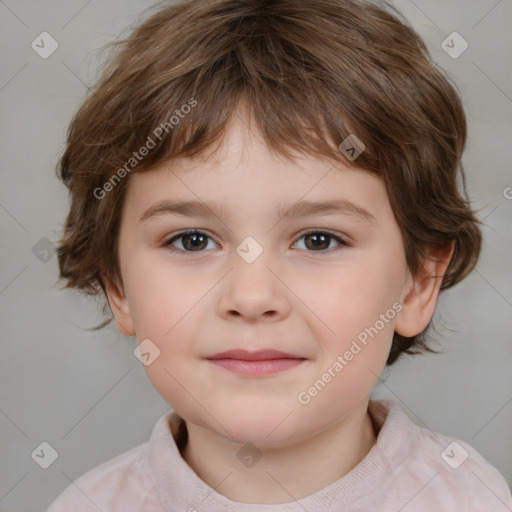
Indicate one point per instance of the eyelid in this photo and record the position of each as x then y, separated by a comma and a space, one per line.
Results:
190, 231
344, 238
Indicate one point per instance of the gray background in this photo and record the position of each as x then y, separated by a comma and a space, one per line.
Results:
85, 393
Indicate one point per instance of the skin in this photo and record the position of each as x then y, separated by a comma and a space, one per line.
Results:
308, 301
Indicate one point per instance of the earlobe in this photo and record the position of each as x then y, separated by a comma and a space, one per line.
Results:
419, 303
119, 306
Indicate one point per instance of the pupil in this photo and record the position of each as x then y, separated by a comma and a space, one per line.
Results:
318, 239
196, 240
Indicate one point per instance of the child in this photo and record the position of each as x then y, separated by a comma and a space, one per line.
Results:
309, 151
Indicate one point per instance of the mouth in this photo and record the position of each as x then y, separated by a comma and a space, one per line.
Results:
255, 364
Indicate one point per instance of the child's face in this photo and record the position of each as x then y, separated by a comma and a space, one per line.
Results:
308, 300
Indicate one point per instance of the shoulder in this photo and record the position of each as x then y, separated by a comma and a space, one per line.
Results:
446, 473
459, 474
122, 483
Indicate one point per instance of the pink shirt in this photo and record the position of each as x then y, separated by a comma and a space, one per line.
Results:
409, 469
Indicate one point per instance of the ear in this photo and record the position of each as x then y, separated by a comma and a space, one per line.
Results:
420, 300
119, 307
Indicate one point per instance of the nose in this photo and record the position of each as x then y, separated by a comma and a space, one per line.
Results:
253, 291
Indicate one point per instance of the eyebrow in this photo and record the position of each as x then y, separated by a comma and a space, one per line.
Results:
302, 208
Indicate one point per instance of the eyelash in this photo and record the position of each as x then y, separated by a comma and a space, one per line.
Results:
190, 232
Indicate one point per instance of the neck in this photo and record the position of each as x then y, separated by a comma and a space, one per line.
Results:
283, 474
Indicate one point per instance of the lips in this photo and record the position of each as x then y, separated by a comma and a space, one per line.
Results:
260, 355
255, 364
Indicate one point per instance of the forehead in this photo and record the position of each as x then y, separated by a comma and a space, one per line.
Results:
244, 174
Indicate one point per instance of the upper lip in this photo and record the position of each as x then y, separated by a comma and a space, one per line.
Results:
259, 355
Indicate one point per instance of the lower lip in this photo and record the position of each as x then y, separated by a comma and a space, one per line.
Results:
256, 368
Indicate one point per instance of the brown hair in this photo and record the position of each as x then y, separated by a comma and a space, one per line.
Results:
312, 72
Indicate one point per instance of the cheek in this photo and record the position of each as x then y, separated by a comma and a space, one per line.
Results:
167, 309
349, 299
162, 296
359, 311
174, 371
355, 312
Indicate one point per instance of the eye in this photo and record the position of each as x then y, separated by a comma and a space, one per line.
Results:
194, 240
319, 241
